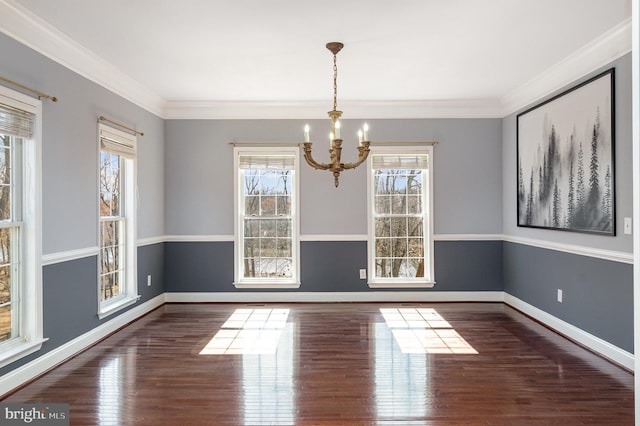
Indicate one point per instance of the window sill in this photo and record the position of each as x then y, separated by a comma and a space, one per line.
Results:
20, 350
401, 284
115, 307
267, 284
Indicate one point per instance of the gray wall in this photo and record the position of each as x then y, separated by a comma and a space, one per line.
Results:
597, 293
333, 266
199, 174
70, 191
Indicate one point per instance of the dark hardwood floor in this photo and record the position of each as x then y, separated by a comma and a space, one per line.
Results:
337, 364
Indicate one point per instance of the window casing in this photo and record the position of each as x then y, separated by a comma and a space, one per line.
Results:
117, 221
400, 246
266, 228
21, 327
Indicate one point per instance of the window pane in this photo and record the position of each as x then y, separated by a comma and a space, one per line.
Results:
268, 228
383, 247
284, 247
5, 180
415, 182
251, 247
5, 323
398, 247
267, 247
251, 228
109, 184
268, 205
283, 227
416, 247
415, 227
283, 205
284, 267
398, 204
399, 182
110, 286
5, 246
383, 204
5, 284
383, 227
414, 204
398, 226
252, 205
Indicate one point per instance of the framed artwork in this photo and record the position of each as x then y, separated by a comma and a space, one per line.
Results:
566, 160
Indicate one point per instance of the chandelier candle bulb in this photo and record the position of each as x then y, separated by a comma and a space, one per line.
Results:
366, 131
360, 137
306, 133
338, 129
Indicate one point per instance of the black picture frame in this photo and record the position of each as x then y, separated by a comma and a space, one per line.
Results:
565, 160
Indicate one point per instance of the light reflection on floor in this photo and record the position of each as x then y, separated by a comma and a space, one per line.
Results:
248, 331
423, 330
401, 379
267, 382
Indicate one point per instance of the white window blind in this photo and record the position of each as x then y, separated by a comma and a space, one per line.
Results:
16, 122
286, 162
117, 142
407, 162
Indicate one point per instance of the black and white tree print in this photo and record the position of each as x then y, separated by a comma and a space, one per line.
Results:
565, 164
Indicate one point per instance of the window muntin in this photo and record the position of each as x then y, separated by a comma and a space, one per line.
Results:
266, 231
117, 281
400, 243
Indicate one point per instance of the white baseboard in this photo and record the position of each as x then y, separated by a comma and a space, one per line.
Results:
338, 296
590, 341
33, 369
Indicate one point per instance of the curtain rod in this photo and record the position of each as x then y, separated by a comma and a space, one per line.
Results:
254, 144
404, 143
29, 89
115, 123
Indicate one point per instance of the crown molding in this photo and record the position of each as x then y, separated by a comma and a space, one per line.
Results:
467, 108
600, 52
23, 26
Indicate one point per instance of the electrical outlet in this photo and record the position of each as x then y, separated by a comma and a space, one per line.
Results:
149, 280
363, 274
559, 296
627, 225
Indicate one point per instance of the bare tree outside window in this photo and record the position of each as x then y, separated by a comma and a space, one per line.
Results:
267, 223
111, 226
399, 223
6, 283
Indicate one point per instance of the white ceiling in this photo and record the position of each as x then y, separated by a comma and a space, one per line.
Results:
173, 55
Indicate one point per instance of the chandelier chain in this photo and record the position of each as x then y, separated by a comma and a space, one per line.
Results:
335, 83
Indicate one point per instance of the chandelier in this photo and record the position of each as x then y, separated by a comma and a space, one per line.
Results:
335, 141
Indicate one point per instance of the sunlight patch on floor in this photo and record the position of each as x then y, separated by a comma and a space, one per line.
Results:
249, 331
423, 330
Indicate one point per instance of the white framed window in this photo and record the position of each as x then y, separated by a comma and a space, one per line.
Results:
21, 327
117, 287
267, 243
400, 205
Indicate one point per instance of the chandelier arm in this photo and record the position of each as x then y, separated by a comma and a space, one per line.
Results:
363, 153
313, 163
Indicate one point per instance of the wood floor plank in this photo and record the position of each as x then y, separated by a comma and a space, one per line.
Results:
337, 364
